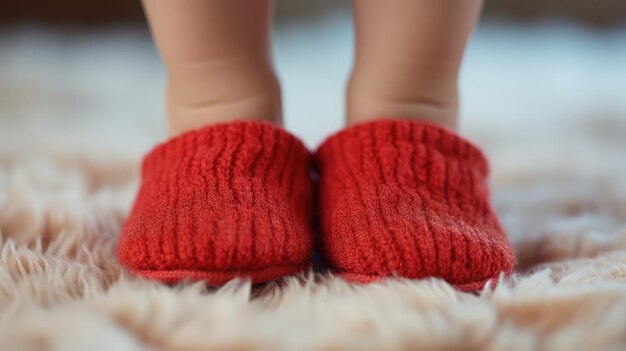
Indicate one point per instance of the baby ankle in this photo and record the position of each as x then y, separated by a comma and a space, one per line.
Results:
385, 91
200, 96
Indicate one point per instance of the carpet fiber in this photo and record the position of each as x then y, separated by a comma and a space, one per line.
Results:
68, 178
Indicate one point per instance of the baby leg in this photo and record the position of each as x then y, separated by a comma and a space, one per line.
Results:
407, 59
218, 61
229, 194
401, 193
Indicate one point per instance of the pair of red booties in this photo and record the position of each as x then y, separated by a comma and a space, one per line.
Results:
397, 198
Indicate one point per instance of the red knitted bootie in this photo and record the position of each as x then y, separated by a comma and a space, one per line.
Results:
229, 200
409, 199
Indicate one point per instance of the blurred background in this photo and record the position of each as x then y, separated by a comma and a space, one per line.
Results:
543, 91
78, 74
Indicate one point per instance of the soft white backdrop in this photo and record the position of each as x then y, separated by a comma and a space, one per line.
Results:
513, 78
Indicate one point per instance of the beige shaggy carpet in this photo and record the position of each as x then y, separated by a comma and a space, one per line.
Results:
77, 113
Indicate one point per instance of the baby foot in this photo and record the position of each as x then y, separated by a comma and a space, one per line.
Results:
409, 199
229, 200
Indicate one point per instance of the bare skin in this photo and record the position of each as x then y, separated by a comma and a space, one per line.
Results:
218, 62
219, 67
408, 54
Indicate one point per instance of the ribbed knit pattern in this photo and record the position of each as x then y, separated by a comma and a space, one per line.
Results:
229, 200
409, 199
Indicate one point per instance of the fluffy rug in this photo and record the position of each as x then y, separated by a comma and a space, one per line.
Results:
76, 117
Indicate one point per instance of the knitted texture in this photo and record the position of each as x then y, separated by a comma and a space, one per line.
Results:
229, 200
409, 199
